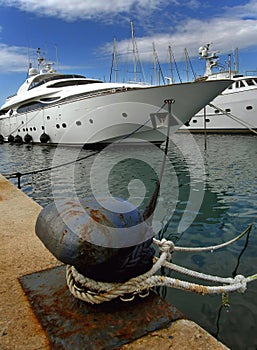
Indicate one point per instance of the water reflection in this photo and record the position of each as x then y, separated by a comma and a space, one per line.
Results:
228, 206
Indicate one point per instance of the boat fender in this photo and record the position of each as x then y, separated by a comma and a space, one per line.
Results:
44, 138
27, 138
10, 138
1, 139
18, 139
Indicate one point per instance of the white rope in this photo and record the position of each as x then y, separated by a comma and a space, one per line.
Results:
96, 292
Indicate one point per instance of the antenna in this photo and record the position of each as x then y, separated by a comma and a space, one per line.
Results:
56, 56
39, 58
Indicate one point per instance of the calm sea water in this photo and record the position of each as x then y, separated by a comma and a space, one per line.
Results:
208, 196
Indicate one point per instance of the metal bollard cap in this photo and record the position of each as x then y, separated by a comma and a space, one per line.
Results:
85, 232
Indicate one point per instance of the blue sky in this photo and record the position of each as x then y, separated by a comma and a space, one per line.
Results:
81, 32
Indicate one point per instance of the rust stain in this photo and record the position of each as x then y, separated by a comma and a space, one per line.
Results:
99, 217
63, 235
74, 213
199, 289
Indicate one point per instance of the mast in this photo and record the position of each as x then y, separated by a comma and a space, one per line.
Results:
40, 59
236, 61
115, 60
155, 65
171, 65
134, 50
136, 58
187, 70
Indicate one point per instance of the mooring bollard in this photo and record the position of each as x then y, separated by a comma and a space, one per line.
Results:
105, 240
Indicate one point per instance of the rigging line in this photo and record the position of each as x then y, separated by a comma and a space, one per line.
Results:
216, 334
232, 116
152, 205
191, 66
133, 132
234, 273
176, 67
18, 174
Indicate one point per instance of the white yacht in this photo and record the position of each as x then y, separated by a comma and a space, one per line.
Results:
235, 109
55, 108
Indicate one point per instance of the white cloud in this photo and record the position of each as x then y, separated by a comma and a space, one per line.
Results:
82, 9
225, 33
13, 59
248, 10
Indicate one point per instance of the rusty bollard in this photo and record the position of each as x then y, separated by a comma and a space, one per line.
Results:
106, 240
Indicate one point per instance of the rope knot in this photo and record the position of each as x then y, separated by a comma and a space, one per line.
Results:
240, 279
167, 247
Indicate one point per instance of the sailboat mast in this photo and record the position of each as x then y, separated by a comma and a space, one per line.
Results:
134, 50
155, 65
115, 60
187, 70
236, 61
171, 65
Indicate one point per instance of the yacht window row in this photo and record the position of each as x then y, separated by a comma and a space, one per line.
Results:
39, 80
228, 110
243, 83
58, 126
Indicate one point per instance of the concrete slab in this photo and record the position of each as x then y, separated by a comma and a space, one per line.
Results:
71, 323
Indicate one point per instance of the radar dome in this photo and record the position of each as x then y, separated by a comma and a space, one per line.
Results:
33, 71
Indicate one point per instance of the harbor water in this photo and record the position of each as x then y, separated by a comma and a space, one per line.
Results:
208, 195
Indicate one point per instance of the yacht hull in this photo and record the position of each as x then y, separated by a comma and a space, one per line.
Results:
239, 114
80, 120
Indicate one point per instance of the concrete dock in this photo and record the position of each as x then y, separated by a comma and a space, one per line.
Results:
22, 253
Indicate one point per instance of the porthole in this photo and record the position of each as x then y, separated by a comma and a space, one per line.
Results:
30, 129
22, 122
34, 128
207, 120
227, 110
27, 129
48, 117
216, 111
78, 122
42, 127
249, 107
58, 126
91, 121
64, 125
124, 115
23, 130
194, 121
19, 130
